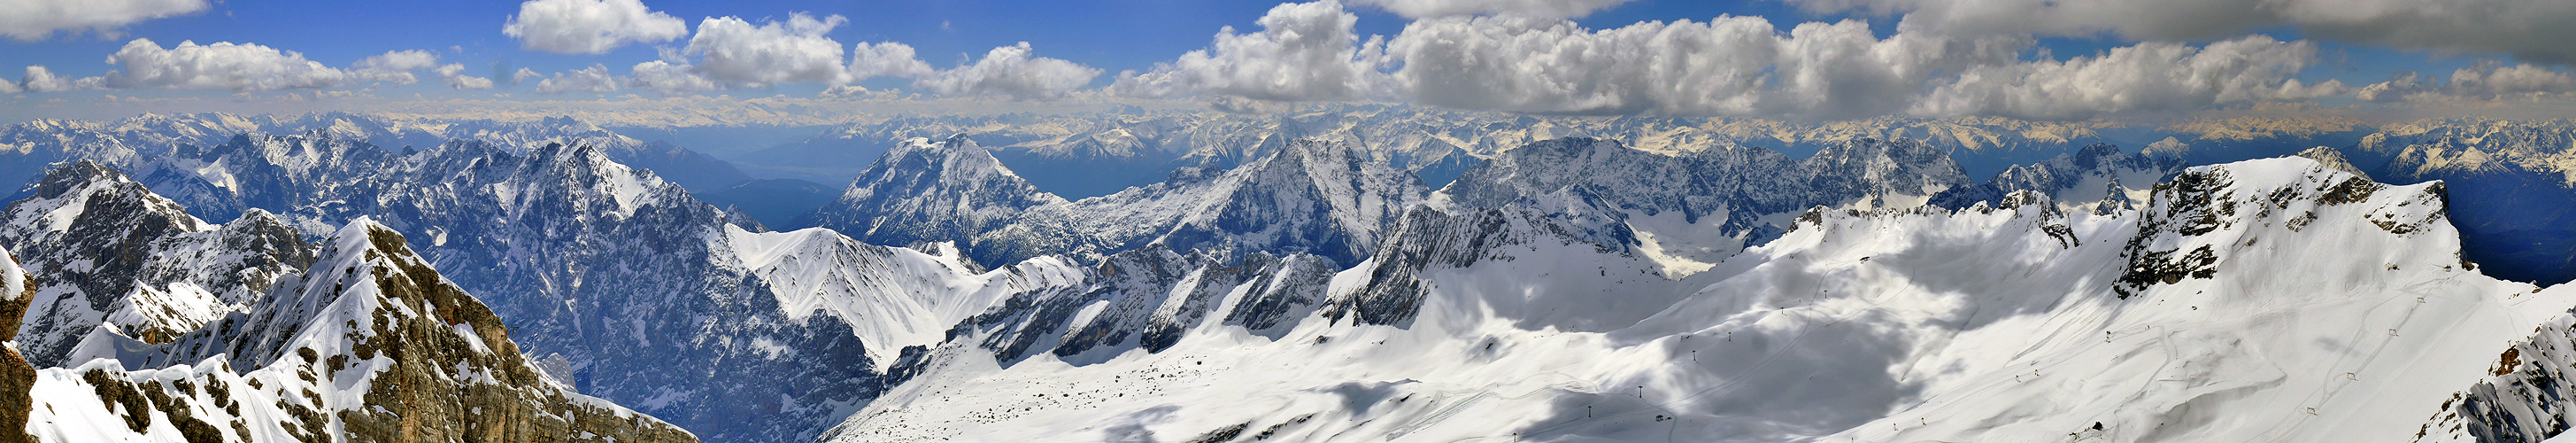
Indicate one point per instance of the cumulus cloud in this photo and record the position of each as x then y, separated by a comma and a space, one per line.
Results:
1727, 66
2530, 29
735, 52
2489, 80
2145, 77
668, 79
39, 79
856, 92
31, 20
453, 74
593, 79
1012, 71
523, 75
1304, 51
223, 65
1529, 8
589, 26
394, 66
885, 59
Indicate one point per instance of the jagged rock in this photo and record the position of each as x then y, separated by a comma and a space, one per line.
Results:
121, 257
17, 377
371, 344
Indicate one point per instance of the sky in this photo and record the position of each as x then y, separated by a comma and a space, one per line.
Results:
1793, 59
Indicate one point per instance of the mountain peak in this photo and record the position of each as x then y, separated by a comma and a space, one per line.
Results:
2205, 208
923, 191
2333, 159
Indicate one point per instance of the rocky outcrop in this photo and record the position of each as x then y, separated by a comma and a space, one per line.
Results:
119, 256
371, 345
17, 377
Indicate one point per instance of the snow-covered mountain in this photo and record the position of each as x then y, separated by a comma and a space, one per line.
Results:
2266, 300
513, 226
131, 144
370, 344
930, 191
1700, 207
1094, 154
1312, 196
2513, 183
625, 277
2100, 179
123, 261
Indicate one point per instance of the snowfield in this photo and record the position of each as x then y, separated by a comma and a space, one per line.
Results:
2325, 308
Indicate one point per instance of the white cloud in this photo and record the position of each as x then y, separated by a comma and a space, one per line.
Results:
454, 75
394, 66
1304, 51
589, 26
1012, 71
2494, 80
31, 20
593, 79
1727, 66
39, 79
2399, 87
734, 52
885, 59
668, 79
856, 92
1530, 8
224, 65
2531, 29
398, 61
2489, 80
523, 75
2145, 77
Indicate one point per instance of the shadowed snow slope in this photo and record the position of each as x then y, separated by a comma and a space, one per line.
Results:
2267, 300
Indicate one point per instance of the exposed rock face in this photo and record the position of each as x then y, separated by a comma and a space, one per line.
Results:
370, 345
16, 376
2205, 208
1147, 298
120, 256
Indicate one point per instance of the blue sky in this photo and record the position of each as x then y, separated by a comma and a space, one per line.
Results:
1120, 35
1113, 35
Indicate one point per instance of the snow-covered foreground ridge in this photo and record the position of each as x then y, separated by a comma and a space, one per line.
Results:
2267, 300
